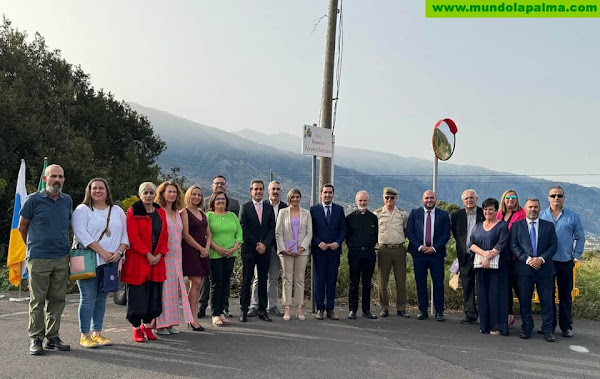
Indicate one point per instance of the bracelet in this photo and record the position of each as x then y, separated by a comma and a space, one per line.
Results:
121, 253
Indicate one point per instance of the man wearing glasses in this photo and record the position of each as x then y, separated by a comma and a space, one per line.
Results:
571, 239
219, 183
462, 222
391, 253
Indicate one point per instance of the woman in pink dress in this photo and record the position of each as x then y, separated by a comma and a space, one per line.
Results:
170, 197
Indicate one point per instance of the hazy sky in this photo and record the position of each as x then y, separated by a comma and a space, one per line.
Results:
523, 92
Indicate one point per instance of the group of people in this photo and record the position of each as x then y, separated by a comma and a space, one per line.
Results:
167, 235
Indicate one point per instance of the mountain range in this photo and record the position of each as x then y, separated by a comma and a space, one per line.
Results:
201, 152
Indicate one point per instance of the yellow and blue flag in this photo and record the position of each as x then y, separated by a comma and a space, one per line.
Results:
16, 245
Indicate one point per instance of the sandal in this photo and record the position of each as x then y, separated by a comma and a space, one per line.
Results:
224, 320
511, 321
216, 321
494, 333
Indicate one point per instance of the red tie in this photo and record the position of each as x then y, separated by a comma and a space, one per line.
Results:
428, 229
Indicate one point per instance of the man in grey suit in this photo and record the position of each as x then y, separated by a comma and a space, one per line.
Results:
275, 265
219, 183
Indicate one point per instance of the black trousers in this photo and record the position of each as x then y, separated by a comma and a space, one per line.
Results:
144, 303
205, 294
261, 262
220, 279
362, 264
564, 282
544, 285
467, 278
513, 284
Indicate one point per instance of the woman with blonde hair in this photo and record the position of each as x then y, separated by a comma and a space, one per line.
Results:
144, 267
170, 197
196, 242
510, 211
293, 234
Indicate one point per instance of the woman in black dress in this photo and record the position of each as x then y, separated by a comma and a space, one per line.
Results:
490, 244
196, 241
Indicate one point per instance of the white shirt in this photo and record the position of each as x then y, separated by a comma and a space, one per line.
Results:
275, 207
89, 224
330, 205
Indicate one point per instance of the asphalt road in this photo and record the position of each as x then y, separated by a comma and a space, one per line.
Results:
384, 348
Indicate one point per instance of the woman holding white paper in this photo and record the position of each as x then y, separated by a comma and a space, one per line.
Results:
293, 234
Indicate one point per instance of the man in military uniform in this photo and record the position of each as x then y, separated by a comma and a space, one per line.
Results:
392, 223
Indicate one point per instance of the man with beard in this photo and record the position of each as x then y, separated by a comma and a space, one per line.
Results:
44, 224
361, 237
428, 231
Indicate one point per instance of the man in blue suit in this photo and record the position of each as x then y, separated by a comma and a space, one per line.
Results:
428, 231
533, 241
329, 231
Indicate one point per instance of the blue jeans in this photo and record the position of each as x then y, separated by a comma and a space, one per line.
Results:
92, 304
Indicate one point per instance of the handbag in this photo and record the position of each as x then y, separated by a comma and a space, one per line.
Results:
478, 262
82, 263
108, 277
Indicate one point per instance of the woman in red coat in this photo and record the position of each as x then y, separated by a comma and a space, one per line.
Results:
144, 267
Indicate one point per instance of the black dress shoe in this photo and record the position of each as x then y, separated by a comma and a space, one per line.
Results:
352, 315
422, 315
383, 313
56, 343
369, 315
244, 317
201, 312
403, 314
252, 312
467, 320
35, 348
319, 315
275, 311
525, 335
567, 333
263, 315
549, 337
227, 313
439, 316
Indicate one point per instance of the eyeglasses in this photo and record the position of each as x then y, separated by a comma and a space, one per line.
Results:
389, 197
220, 199
148, 193
219, 183
559, 195
508, 197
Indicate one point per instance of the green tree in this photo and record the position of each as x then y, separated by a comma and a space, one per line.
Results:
49, 108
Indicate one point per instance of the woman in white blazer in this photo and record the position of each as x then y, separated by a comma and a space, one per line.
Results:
293, 234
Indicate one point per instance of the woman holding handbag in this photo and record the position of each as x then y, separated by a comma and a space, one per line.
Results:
144, 267
101, 226
490, 244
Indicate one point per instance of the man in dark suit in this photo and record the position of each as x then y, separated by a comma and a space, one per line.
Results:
329, 231
274, 199
428, 231
219, 183
533, 241
258, 229
463, 222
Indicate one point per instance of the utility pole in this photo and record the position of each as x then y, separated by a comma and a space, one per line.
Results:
327, 94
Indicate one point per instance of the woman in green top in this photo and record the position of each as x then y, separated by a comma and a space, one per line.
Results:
226, 239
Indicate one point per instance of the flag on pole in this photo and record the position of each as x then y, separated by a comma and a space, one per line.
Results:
42, 184
16, 245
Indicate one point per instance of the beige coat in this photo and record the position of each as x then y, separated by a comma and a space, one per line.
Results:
283, 230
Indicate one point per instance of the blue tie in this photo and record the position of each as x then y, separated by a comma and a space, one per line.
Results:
327, 213
533, 239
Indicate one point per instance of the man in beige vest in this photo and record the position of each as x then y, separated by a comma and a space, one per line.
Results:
392, 223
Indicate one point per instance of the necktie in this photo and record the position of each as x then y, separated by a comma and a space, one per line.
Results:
258, 207
327, 213
533, 239
428, 229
